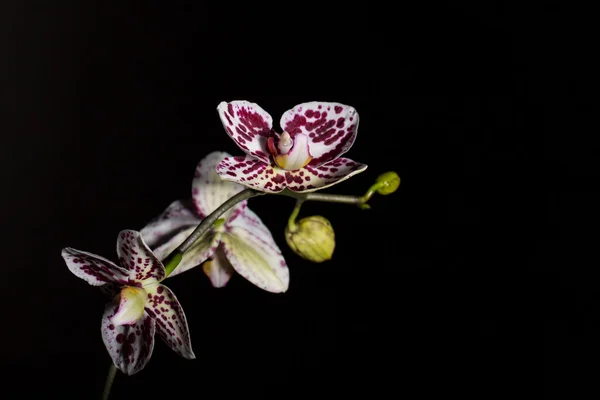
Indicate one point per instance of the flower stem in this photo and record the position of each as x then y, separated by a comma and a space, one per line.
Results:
360, 201
292, 220
175, 257
110, 377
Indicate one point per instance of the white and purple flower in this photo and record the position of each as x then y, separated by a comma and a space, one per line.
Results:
239, 242
141, 307
304, 158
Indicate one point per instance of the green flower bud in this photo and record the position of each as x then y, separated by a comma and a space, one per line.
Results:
387, 183
312, 238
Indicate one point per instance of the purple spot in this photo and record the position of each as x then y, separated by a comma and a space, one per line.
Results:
293, 126
127, 349
288, 177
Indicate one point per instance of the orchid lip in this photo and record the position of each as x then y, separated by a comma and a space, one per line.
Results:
291, 154
131, 305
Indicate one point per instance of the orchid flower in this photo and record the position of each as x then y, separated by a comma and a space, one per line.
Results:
142, 307
304, 158
238, 242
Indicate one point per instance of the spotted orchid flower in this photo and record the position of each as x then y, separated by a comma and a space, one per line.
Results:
304, 158
141, 307
240, 242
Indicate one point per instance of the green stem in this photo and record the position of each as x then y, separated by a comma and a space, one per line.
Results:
175, 257
292, 220
330, 198
110, 377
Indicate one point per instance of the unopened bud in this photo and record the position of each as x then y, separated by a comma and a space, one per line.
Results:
312, 238
388, 183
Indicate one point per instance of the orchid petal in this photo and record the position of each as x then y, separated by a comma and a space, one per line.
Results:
129, 346
309, 179
177, 215
218, 269
92, 268
200, 251
331, 127
253, 253
210, 191
170, 319
252, 173
135, 255
131, 305
248, 125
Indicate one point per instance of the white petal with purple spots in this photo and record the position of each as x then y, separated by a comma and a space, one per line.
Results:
252, 173
309, 179
171, 323
248, 125
135, 255
129, 346
331, 128
92, 268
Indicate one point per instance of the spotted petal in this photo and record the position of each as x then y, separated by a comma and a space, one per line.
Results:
129, 346
177, 216
170, 319
248, 125
331, 127
218, 269
253, 253
202, 249
252, 173
135, 255
209, 191
93, 269
310, 179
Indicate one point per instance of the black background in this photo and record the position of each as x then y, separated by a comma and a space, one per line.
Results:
475, 279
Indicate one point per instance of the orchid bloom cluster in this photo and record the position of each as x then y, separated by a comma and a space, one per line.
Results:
216, 230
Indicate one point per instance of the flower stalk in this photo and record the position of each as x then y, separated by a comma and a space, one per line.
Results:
110, 377
292, 220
